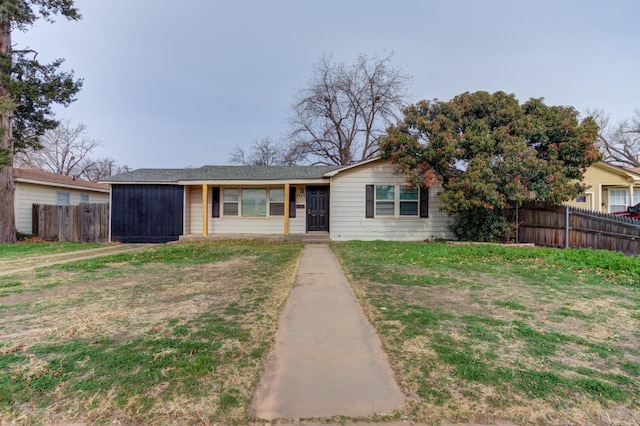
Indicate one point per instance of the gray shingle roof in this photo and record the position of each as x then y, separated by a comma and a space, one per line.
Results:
223, 173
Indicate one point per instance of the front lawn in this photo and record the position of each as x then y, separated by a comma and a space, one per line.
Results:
487, 333
175, 334
21, 250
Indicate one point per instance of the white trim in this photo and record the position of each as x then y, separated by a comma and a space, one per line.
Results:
620, 170
351, 166
110, 212
593, 195
255, 182
140, 183
600, 198
60, 185
184, 209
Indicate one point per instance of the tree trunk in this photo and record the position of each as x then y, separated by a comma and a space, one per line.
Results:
7, 187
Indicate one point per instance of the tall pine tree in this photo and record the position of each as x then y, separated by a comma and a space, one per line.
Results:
28, 89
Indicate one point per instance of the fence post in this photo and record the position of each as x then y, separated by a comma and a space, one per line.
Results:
517, 226
566, 222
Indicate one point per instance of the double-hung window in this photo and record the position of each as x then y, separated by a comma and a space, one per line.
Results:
617, 200
248, 202
408, 202
396, 201
385, 200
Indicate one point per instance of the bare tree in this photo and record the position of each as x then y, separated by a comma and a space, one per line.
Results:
67, 150
266, 152
619, 143
340, 116
103, 168
64, 150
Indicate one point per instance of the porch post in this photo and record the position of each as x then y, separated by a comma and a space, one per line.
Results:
205, 210
286, 209
632, 202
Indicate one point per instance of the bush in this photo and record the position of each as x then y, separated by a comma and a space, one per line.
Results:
479, 225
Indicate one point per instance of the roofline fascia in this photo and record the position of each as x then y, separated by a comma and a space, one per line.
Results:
332, 173
238, 182
136, 182
61, 185
631, 176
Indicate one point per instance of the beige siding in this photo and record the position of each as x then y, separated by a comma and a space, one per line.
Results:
28, 194
347, 209
298, 224
600, 179
234, 225
194, 210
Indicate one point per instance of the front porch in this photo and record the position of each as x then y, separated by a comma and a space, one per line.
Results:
308, 238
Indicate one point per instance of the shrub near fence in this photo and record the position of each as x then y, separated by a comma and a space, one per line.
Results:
565, 226
86, 222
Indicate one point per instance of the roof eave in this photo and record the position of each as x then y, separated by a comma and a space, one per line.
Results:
241, 182
351, 166
60, 185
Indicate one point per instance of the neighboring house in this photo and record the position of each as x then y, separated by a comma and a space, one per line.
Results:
365, 201
34, 186
610, 188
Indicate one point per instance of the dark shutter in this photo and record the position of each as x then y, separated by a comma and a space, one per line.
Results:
215, 201
370, 203
424, 202
292, 201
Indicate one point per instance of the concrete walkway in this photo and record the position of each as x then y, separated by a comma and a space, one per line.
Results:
327, 358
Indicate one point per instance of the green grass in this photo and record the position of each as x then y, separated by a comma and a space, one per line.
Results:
493, 329
127, 368
16, 251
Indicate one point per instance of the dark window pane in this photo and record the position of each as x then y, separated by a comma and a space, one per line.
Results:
408, 208
276, 209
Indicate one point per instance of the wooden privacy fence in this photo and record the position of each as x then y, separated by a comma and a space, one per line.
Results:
86, 222
565, 226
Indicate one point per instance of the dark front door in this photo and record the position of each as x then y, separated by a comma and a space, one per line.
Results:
318, 208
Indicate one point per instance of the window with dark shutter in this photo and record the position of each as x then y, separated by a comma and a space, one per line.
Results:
370, 201
215, 201
424, 202
292, 201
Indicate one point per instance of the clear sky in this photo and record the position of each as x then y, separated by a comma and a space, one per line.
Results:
177, 84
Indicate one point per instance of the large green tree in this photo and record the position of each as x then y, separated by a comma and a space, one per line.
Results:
490, 152
28, 89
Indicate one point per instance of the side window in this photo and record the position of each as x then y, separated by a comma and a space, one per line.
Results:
408, 202
84, 198
396, 201
617, 200
64, 198
385, 200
